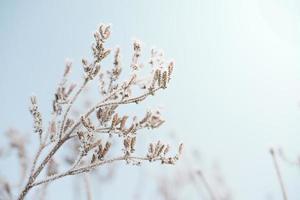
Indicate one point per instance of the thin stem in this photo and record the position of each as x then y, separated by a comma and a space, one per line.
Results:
70, 106
77, 161
36, 157
127, 101
87, 187
279, 176
47, 135
32, 178
207, 186
87, 169
286, 159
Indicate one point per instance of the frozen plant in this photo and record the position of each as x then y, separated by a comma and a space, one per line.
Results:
103, 118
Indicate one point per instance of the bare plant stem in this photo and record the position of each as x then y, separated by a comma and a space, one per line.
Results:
282, 155
32, 178
207, 186
279, 176
70, 106
77, 161
37, 155
87, 168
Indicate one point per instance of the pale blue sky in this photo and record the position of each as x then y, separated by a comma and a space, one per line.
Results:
235, 90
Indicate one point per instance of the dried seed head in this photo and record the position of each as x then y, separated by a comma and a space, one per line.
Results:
96, 70
170, 70
164, 80
99, 113
153, 119
101, 36
136, 54
132, 144
116, 71
104, 31
100, 148
123, 122
114, 120
100, 152
158, 75
137, 46
106, 148
106, 53
151, 148
170, 160
131, 129
107, 145
166, 150
145, 119
68, 67
160, 149
52, 130
86, 122
126, 143
157, 147
37, 117
94, 158
180, 149
80, 135
85, 63
117, 57
33, 100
